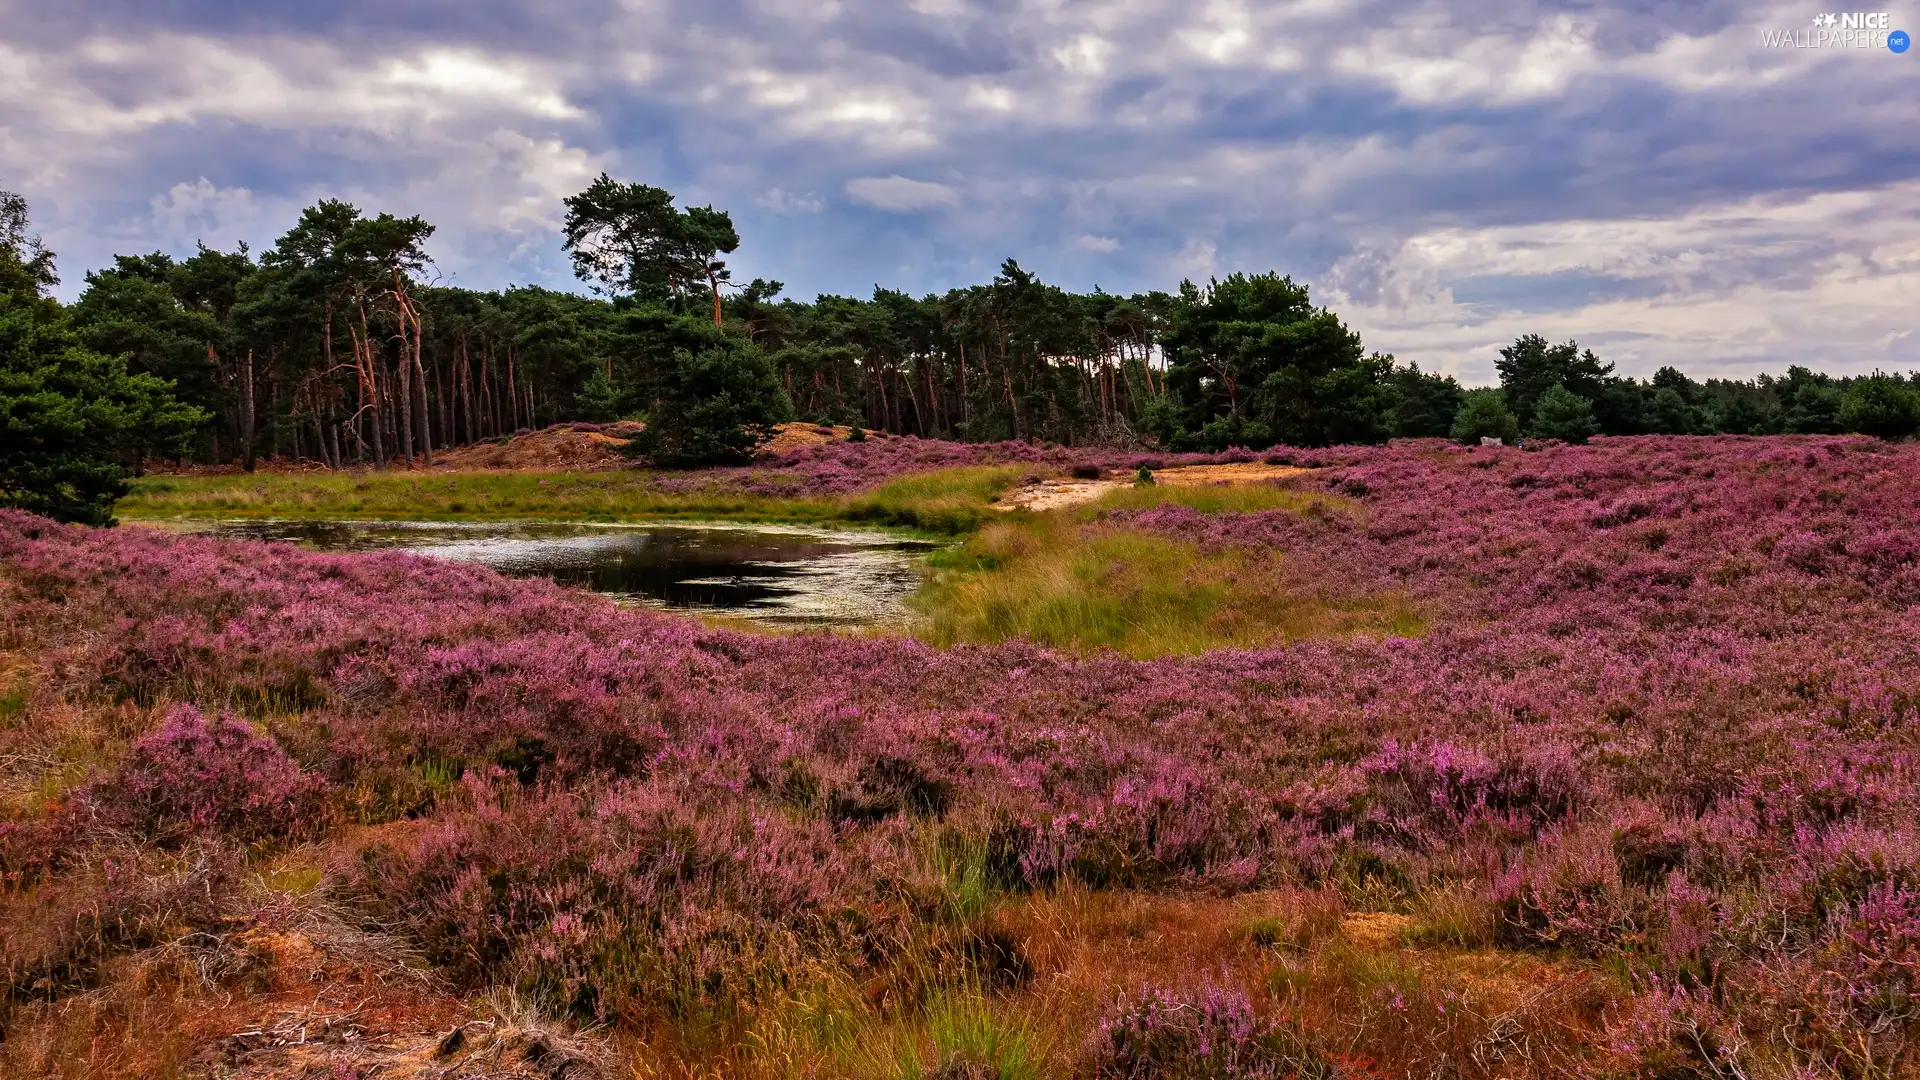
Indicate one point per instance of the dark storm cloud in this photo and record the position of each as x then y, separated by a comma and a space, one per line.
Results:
1643, 173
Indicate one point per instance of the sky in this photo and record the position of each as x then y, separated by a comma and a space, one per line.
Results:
1647, 176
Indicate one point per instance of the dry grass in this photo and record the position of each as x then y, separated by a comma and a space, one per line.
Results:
1370, 1003
285, 984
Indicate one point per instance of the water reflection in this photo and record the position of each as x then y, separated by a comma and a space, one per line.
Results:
771, 573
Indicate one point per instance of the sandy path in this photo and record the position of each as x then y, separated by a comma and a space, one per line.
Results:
1062, 494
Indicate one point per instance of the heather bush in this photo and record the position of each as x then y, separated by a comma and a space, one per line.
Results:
1212, 1033
109, 901
1163, 828
1427, 794
629, 902
1569, 894
194, 775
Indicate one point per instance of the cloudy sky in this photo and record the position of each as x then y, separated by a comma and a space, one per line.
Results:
1645, 175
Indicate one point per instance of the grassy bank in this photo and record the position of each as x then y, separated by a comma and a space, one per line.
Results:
1086, 580
476, 496
948, 502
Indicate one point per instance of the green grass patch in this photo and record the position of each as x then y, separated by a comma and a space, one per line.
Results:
971, 1038
1091, 587
608, 496
950, 501
947, 502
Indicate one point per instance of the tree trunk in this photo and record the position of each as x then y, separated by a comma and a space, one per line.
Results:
246, 416
420, 379
489, 411
466, 388
403, 382
513, 392
369, 388
966, 403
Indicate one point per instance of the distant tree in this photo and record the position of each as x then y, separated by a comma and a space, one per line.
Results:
1882, 406
1739, 415
1669, 414
1562, 414
596, 400
1252, 361
384, 253
1531, 366
630, 240
1673, 406
131, 310
1809, 403
71, 420
1425, 405
1483, 415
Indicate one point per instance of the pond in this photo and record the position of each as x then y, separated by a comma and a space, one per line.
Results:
776, 574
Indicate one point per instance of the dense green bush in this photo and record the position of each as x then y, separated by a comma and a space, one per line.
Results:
710, 397
1562, 414
1483, 415
72, 421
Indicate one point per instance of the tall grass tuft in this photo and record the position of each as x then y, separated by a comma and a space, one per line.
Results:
951, 501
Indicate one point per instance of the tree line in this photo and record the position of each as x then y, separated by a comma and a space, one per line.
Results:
336, 345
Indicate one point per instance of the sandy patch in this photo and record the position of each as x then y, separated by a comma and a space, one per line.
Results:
556, 449
1056, 494
1243, 473
796, 436
1376, 929
1062, 494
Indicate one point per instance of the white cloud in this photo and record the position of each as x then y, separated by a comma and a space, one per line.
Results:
200, 211
1105, 245
1083, 55
189, 78
1829, 280
785, 202
901, 195
1200, 258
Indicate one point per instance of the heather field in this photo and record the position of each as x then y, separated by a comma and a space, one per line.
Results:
1578, 761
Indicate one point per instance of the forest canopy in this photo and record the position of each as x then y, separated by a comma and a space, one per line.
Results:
74, 421
337, 345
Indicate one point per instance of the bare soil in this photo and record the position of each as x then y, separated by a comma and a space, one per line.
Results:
1062, 494
556, 449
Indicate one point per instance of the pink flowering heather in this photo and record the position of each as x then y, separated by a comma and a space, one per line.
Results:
1662, 714
1209, 1034
840, 467
193, 774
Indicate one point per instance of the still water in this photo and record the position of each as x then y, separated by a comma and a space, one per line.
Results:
786, 575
